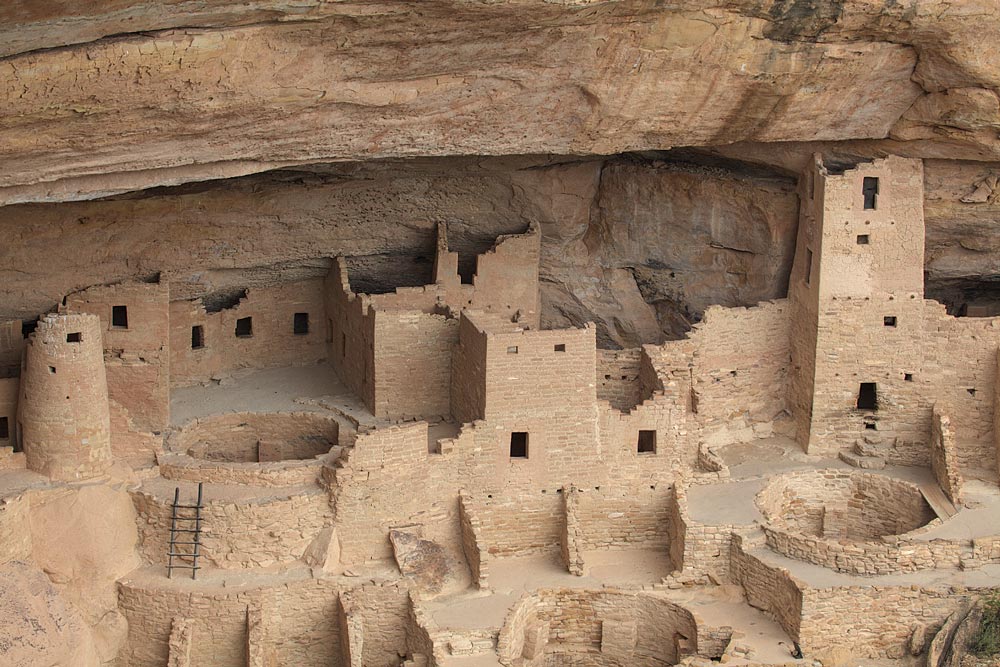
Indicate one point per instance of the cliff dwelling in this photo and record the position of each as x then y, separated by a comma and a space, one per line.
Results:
533, 334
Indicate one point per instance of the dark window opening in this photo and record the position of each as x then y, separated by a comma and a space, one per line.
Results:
467, 268
197, 337
868, 396
647, 442
52, 370
4, 429
119, 317
244, 327
28, 328
512, 349
75, 337
889, 320
300, 324
869, 188
863, 239
871, 426
972, 392
560, 347
809, 265
519, 445
908, 377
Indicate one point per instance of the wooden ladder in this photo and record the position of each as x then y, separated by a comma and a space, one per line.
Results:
186, 551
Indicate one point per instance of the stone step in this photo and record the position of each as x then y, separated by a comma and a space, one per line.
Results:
866, 448
863, 462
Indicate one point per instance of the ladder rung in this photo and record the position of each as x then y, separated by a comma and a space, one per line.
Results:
173, 542
185, 530
186, 518
184, 567
177, 554
188, 507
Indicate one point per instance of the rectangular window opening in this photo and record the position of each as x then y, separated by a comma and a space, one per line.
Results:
512, 349
75, 337
647, 442
864, 239
871, 426
889, 320
197, 337
244, 327
908, 377
868, 396
519, 445
28, 327
561, 347
869, 188
119, 317
4, 429
300, 324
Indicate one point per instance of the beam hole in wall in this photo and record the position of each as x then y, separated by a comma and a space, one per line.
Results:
119, 317
300, 324
869, 189
75, 337
52, 370
512, 349
561, 347
647, 442
868, 396
864, 239
4, 429
908, 377
197, 337
871, 426
972, 391
244, 327
519, 445
889, 320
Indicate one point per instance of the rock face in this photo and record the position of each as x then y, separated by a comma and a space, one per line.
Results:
246, 87
40, 628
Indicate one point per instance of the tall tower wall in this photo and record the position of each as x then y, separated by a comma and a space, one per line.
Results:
63, 410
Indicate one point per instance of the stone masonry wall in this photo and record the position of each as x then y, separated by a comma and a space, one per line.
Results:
618, 377
246, 533
137, 356
769, 588
272, 343
9, 390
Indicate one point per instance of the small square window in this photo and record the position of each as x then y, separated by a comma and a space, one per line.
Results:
561, 347
244, 327
197, 337
869, 190
519, 445
863, 239
75, 337
119, 317
889, 320
908, 377
871, 426
52, 370
300, 324
647, 442
512, 349
4, 429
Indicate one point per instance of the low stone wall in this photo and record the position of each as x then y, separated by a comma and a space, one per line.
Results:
607, 627
768, 588
475, 552
253, 437
889, 555
180, 466
697, 549
519, 525
944, 463
244, 533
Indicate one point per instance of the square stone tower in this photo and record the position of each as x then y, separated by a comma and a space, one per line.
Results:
857, 305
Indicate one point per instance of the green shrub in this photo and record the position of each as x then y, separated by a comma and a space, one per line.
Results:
986, 641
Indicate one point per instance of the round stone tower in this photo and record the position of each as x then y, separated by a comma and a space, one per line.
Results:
63, 409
